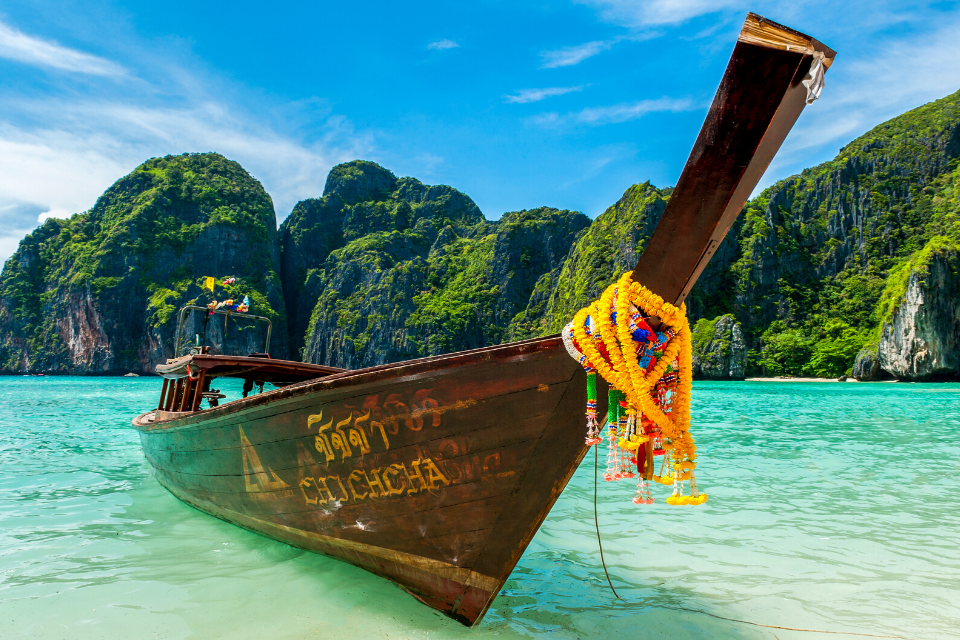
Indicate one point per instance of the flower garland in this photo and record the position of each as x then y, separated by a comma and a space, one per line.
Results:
610, 337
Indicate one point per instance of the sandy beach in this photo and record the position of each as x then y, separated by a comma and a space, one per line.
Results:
789, 379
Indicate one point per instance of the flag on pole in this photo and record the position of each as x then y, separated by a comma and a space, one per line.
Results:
210, 283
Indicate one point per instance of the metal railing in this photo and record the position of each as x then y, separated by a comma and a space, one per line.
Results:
193, 307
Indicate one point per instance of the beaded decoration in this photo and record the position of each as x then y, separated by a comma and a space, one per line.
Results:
593, 429
649, 373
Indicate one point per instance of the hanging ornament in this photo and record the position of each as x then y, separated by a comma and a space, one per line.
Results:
615, 338
593, 429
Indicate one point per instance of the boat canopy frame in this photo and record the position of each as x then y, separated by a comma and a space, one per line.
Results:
193, 307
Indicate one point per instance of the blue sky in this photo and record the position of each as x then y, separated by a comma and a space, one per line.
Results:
518, 104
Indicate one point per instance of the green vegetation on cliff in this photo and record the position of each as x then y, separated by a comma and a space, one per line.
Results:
381, 268
815, 252
98, 291
609, 247
815, 263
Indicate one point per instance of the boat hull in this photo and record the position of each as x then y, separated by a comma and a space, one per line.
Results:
433, 473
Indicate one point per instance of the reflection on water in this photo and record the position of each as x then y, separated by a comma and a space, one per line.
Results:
831, 507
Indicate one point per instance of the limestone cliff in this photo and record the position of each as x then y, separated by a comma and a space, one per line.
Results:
849, 257
805, 266
437, 279
98, 292
921, 341
359, 198
608, 248
719, 351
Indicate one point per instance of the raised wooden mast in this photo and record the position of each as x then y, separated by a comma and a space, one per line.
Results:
759, 99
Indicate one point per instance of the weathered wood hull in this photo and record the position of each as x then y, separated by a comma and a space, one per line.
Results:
433, 473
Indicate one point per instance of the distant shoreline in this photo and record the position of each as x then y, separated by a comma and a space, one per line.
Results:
798, 379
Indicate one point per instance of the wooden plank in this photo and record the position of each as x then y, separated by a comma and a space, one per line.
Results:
198, 391
163, 394
759, 99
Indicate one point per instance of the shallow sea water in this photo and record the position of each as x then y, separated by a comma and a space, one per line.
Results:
832, 507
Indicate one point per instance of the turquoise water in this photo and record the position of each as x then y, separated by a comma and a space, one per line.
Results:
832, 507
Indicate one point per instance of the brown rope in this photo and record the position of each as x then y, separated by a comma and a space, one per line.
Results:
596, 522
596, 463
773, 626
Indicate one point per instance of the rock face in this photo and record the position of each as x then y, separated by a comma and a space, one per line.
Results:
805, 265
443, 280
381, 268
98, 293
719, 352
867, 367
360, 199
922, 339
609, 247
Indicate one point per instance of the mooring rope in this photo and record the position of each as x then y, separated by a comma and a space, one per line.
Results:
773, 626
596, 521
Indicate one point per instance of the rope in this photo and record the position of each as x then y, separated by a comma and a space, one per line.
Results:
596, 521
773, 626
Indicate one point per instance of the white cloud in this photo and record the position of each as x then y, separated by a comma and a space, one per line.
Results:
632, 110
18, 46
64, 167
569, 56
440, 45
649, 13
535, 95
902, 74
59, 153
594, 116
54, 213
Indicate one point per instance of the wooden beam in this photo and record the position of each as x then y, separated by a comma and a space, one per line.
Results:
759, 99
198, 392
185, 396
163, 394
172, 395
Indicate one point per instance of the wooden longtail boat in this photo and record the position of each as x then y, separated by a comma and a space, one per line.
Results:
436, 473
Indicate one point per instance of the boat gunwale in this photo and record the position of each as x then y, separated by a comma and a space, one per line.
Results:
344, 379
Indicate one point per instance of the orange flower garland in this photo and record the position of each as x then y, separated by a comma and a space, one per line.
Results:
622, 369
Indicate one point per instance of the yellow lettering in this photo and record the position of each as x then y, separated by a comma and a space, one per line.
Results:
377, 425
359, 440
322, 445
375, 482
433, 474
322, 489
359, 476
339, 441
314, 419
346, 496
394, 470
304, 485
416, 474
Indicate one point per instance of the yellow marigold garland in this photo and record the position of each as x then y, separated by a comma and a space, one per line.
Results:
623, 370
